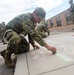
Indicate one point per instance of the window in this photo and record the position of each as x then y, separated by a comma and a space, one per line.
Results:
68, 18
58, 21
51, 23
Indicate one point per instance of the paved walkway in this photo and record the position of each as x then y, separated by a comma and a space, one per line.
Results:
42, 62
3, 69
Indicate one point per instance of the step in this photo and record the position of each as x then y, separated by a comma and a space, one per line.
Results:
21, 65
43, 62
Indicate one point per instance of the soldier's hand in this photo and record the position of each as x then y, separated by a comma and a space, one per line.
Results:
35, 47
51, 48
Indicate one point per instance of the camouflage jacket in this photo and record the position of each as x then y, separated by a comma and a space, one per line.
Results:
42, 28
72, 8
2, 27
25, 23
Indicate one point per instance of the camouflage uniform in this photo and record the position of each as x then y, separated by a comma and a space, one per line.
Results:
42, 28
72, 10
21, 23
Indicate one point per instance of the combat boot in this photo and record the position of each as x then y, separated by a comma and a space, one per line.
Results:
11, 65
3, 53
8, 60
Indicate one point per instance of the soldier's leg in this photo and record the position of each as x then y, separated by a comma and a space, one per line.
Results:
11, 48
23, 46
3, 53
48, 33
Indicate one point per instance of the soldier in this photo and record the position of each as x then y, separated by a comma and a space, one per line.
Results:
72, 10
42, 28
2, 27
24, 22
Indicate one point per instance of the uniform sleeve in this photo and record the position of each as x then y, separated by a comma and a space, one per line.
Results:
31, 40
29, 28
41, 32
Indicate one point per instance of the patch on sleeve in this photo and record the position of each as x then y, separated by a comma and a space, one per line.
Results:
29, 22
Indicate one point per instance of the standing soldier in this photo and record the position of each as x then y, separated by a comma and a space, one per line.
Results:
24, 22
42, 29
72, 10
2, 27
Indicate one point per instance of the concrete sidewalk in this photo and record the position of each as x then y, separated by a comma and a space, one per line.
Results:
42, 62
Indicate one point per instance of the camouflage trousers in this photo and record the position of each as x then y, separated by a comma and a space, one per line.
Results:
16, 45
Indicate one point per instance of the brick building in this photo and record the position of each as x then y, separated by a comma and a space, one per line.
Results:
64, 18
